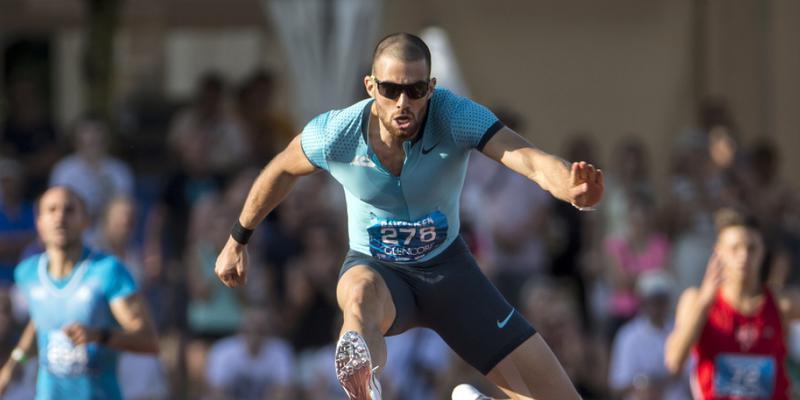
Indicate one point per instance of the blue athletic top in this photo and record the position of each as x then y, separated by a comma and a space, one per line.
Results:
67, 371
414, 216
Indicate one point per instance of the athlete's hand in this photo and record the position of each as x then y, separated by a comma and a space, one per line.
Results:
80, 334
586, 184
711, 281
231, 266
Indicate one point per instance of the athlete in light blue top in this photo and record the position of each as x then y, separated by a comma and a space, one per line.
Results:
401, 157
413, 215
84, 307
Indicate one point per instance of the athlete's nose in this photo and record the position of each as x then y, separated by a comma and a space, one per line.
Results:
403, 100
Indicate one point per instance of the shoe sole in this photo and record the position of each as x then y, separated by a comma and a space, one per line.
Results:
354, 366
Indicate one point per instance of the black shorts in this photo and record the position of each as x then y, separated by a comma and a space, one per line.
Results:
450, 295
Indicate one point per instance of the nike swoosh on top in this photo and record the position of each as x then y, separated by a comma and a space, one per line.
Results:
426, 151
502, 324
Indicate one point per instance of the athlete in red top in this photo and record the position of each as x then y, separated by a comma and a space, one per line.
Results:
733, 324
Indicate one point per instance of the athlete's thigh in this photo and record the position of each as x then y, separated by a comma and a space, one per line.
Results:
470, 314
363, 283
394, 294
532, 371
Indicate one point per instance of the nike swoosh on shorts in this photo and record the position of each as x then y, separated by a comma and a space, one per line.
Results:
502, 324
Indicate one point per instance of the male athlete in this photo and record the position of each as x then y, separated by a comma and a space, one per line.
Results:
733, 324
401, 156
84, 308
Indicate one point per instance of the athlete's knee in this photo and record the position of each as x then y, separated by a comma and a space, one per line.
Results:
363, 290
363, 297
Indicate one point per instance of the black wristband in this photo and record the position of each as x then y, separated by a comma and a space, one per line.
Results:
105, 335
240, 233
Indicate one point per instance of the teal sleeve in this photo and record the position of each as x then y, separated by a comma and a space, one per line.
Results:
25, 271
313, 141
118, 283
471, 124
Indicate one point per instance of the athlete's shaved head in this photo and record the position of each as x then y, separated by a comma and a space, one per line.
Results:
404, 47
61, 218
64, 191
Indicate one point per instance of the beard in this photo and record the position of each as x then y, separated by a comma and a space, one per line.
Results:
402, 125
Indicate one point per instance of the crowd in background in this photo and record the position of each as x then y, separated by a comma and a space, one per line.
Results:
599, 286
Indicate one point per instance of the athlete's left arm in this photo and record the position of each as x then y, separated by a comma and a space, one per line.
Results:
138, 333
579, 183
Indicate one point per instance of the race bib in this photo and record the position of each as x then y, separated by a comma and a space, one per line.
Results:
745, 377
63, 358
403, 241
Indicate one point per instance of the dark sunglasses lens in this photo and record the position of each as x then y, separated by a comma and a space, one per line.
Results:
417, 90
390, 90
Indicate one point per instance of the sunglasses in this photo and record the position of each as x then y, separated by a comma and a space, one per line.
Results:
391, 90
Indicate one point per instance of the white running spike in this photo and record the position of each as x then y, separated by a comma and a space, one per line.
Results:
354, 368
467, 392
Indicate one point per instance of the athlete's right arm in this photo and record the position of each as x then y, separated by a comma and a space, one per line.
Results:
578, 183
270, 188
691, 316
24, 345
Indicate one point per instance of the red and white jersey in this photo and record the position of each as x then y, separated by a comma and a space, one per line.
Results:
741, 357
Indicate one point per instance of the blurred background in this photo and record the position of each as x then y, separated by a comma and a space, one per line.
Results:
161, 113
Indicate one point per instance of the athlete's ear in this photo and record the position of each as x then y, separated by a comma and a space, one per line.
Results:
432, 87
369, 85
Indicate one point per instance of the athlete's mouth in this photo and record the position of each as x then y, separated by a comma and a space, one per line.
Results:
403, 121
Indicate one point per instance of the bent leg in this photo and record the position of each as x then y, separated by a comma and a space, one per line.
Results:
532, 371
368, 309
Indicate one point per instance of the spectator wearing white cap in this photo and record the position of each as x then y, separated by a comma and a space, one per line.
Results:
637, 370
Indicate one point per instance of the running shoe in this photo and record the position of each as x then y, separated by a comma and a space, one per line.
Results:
354, 368
467, 392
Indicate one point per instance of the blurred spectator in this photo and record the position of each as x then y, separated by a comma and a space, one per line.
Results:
641, 249
207, 120
94, 174
115, 235
267, 132
768, 195
142, 377
214, 310
29, 135
552, 310
253, 365
17, 225
630, 174
517, 246
728, 167
636, 374
310, 306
